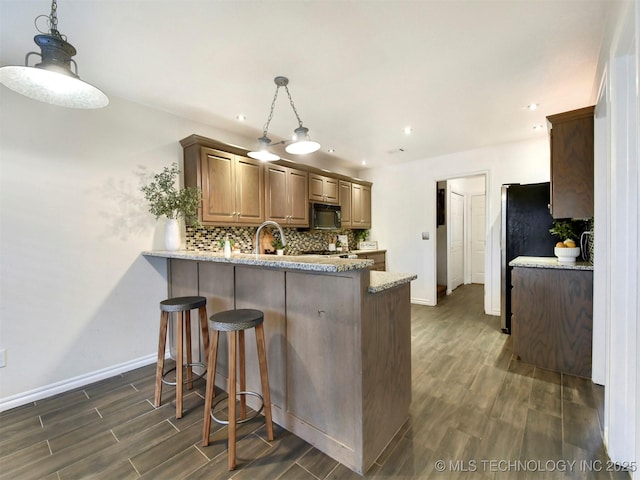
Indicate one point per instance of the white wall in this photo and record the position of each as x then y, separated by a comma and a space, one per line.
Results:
404, 206
616, 273
77, 300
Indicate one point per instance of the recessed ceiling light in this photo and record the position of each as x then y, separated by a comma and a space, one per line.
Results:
533, 106
407, 130
364, 162
241, 117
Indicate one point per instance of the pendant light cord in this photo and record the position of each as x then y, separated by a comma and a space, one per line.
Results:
293, 106
265, 129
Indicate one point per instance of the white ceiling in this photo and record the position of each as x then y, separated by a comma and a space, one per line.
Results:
459, 72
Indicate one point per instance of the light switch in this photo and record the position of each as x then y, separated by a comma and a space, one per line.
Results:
425, 235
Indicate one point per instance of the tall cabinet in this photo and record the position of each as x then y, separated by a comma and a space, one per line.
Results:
571, 138
360, 206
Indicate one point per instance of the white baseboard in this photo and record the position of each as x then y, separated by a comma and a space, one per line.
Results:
422, 301
71, 383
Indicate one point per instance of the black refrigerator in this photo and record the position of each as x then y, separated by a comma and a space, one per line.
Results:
525, 231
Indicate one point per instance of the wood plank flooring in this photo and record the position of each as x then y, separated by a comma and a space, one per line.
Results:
475, 407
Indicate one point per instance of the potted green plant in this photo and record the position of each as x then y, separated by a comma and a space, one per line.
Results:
360, 236
279, 247
165, 199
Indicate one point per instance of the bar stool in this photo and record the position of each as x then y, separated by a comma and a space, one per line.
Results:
183, 307
235, 322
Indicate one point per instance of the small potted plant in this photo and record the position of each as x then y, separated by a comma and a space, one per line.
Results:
360, 236
165, 199
279, 247
567, 232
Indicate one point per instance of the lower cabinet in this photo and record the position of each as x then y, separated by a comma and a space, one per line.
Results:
552, 318
379, 260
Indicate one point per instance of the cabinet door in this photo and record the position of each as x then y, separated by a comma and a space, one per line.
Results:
218, 186
298, 194
316, 188
345, 203
360, 206
331, 190
249, 188
323, 189
277, 204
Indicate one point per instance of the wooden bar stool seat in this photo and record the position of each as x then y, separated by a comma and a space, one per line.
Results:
235, 322
182, 306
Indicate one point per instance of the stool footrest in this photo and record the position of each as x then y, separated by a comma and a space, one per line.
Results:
196, 376
243, 420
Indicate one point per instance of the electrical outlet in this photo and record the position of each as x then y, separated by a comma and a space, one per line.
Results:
3, 357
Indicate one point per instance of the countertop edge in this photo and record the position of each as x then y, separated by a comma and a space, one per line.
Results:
380, 281
292, 262
548, 262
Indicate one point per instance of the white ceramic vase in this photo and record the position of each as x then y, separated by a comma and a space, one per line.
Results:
172, 234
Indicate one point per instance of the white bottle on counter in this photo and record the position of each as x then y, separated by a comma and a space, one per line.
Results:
227, 248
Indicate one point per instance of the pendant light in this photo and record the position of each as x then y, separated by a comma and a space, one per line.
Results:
301, 143
52, 81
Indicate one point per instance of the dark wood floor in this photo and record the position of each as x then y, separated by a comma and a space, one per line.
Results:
475, 408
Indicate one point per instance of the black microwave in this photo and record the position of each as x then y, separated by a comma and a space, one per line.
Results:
325, 217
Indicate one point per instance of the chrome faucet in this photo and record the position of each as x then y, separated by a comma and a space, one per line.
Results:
275, 224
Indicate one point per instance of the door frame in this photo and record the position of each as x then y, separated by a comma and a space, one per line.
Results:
488, 287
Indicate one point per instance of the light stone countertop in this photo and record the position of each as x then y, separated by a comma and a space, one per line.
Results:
379, 281
549, 262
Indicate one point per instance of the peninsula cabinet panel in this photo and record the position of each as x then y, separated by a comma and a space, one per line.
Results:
360, 206
320, 328
553, 318
323, 189
286, 196
216, 284
264, 290
571, 138
345, 203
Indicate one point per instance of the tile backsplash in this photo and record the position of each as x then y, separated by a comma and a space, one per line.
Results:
209, 238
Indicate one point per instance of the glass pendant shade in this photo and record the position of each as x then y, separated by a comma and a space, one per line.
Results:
52, 87
52, 80
263, 154
302, 144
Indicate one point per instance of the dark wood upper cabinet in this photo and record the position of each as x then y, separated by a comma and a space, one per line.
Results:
571, 136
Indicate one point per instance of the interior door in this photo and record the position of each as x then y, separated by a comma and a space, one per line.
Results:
456, 241
477, 238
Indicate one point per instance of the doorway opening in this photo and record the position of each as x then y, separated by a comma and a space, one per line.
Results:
460, 232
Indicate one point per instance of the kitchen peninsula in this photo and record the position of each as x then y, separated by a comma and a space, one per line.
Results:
338, 342
552, 322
